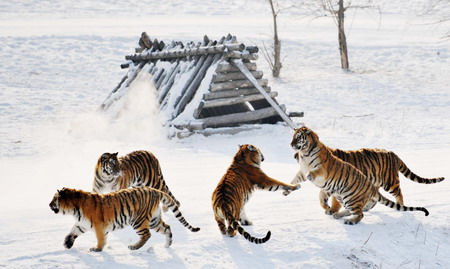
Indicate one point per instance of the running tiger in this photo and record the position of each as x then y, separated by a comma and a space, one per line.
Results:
136, 169
380, 166
348, 185
102, 213
235, 188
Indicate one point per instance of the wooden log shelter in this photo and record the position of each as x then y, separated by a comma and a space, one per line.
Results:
209, 84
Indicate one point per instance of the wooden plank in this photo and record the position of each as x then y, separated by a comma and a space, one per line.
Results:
236, 100
229, 85
222, 77
202, 50
232, 93
188, 82
240, 118
249, 76
241, 55
225, 66
192, 89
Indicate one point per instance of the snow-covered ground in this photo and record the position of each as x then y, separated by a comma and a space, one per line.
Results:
60, 59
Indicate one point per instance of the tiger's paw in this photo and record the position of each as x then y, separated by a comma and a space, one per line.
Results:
286, 192
95, 249
349, 222
296, 187
133, 247
336, 215
69, 240
330, 212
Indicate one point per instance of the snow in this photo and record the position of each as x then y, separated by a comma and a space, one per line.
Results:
60, 60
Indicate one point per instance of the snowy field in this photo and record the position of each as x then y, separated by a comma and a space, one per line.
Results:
60, 60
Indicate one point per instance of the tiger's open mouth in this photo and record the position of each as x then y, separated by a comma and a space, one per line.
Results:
54, 209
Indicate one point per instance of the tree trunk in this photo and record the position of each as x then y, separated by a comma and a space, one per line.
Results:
276, 44
342, 38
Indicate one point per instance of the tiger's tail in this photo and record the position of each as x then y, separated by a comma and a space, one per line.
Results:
236, 226
383, 200
409, 174
247, 236
170, 203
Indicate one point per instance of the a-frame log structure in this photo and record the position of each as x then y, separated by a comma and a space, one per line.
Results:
203, 85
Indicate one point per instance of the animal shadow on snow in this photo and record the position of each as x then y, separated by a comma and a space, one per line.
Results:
241, 256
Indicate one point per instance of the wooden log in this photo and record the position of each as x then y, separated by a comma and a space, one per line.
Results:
229, 85
252, 49
232, 93
222, 77
296, 114
225, 66
236, 100
188, 52
165, 89
195, 71
240, 118
241, 66
241, 55
196, 83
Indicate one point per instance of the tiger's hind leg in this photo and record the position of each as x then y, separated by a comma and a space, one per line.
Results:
231, 231
142, 229
369, 205
164, 229
341, 214
243, 219
220, 222
397, 193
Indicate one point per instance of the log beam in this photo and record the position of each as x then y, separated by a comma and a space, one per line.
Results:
240, 118
229, 85
232, 93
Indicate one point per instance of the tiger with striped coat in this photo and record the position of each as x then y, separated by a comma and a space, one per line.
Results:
351, 188
136, 169
235, 188
103, 213
381, 167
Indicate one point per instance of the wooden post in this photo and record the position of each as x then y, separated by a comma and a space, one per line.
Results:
241, 66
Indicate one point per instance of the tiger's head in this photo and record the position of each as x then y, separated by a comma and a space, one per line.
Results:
249, 154
109, 165
303, 138
64, 199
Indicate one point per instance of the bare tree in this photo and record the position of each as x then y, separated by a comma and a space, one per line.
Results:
440, 11
337, 9
274, 58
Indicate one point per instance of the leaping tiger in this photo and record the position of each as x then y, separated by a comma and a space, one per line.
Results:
351, 188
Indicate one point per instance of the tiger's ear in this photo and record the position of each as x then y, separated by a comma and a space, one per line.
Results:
115, 154
239, 146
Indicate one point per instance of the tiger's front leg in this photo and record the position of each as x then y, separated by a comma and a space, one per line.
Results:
77, 229
101, 234
270, 184
297, 179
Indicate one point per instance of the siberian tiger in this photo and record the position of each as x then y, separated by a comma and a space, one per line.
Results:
102, 213
380, 166
333, 176
136, 169
235, 188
